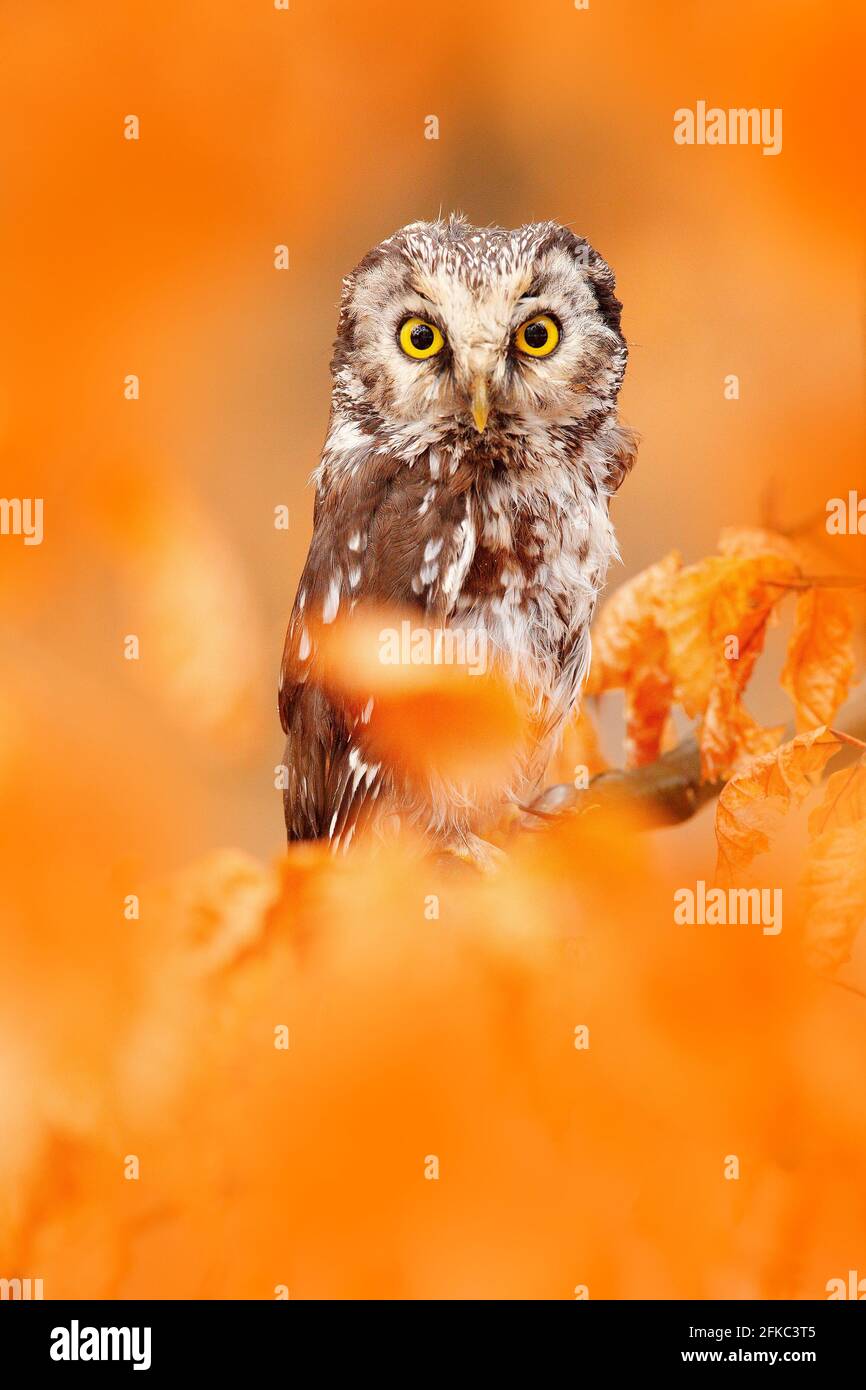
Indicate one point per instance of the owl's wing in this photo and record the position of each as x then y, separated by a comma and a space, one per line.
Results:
575, 652
382, 531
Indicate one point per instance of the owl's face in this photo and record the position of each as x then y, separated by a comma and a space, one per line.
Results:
449, 330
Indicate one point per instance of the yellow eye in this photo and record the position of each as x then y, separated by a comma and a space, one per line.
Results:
420, 339
537, 337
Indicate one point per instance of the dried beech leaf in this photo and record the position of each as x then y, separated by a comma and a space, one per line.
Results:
648, 699
730, 738
750, 541
835, 881
844, 802
753, 805
719, 599
820, 662
579, 749
627, 623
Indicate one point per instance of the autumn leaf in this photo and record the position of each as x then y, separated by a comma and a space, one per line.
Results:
753, 805
648, 699
844, 802
835, 882
630, 652
628, 624
579, 749
756, 541
716, 619
835, 873
717, 611
820, 660
730, 738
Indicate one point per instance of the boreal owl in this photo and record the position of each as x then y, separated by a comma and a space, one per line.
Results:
472, 450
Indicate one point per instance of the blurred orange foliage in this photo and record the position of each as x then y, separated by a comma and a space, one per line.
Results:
435, 710
454, 1036
378, 1077
410, 1033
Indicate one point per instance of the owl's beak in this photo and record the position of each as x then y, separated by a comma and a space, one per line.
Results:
480, 403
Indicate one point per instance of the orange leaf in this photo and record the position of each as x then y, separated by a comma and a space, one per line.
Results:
730, 738
719, 599
627, 624
820, 660
756, 541
648, 700
630, 651
835, 880
753, 804
835, 875
579, 749
844, 801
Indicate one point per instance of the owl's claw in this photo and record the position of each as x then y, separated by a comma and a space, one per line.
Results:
553, 804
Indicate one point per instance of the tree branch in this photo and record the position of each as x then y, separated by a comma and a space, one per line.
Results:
665, 792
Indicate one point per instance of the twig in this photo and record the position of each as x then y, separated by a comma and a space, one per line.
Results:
849, 739
666, 792
817, 581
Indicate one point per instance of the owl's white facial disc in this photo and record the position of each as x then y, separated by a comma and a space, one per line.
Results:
478, 287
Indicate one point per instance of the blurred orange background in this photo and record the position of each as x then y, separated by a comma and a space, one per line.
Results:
306, 127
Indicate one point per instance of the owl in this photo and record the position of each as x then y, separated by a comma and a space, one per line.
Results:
472, 450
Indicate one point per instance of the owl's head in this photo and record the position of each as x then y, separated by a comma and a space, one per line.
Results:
448, 329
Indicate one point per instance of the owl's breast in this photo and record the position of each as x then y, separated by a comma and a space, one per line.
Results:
540, 559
